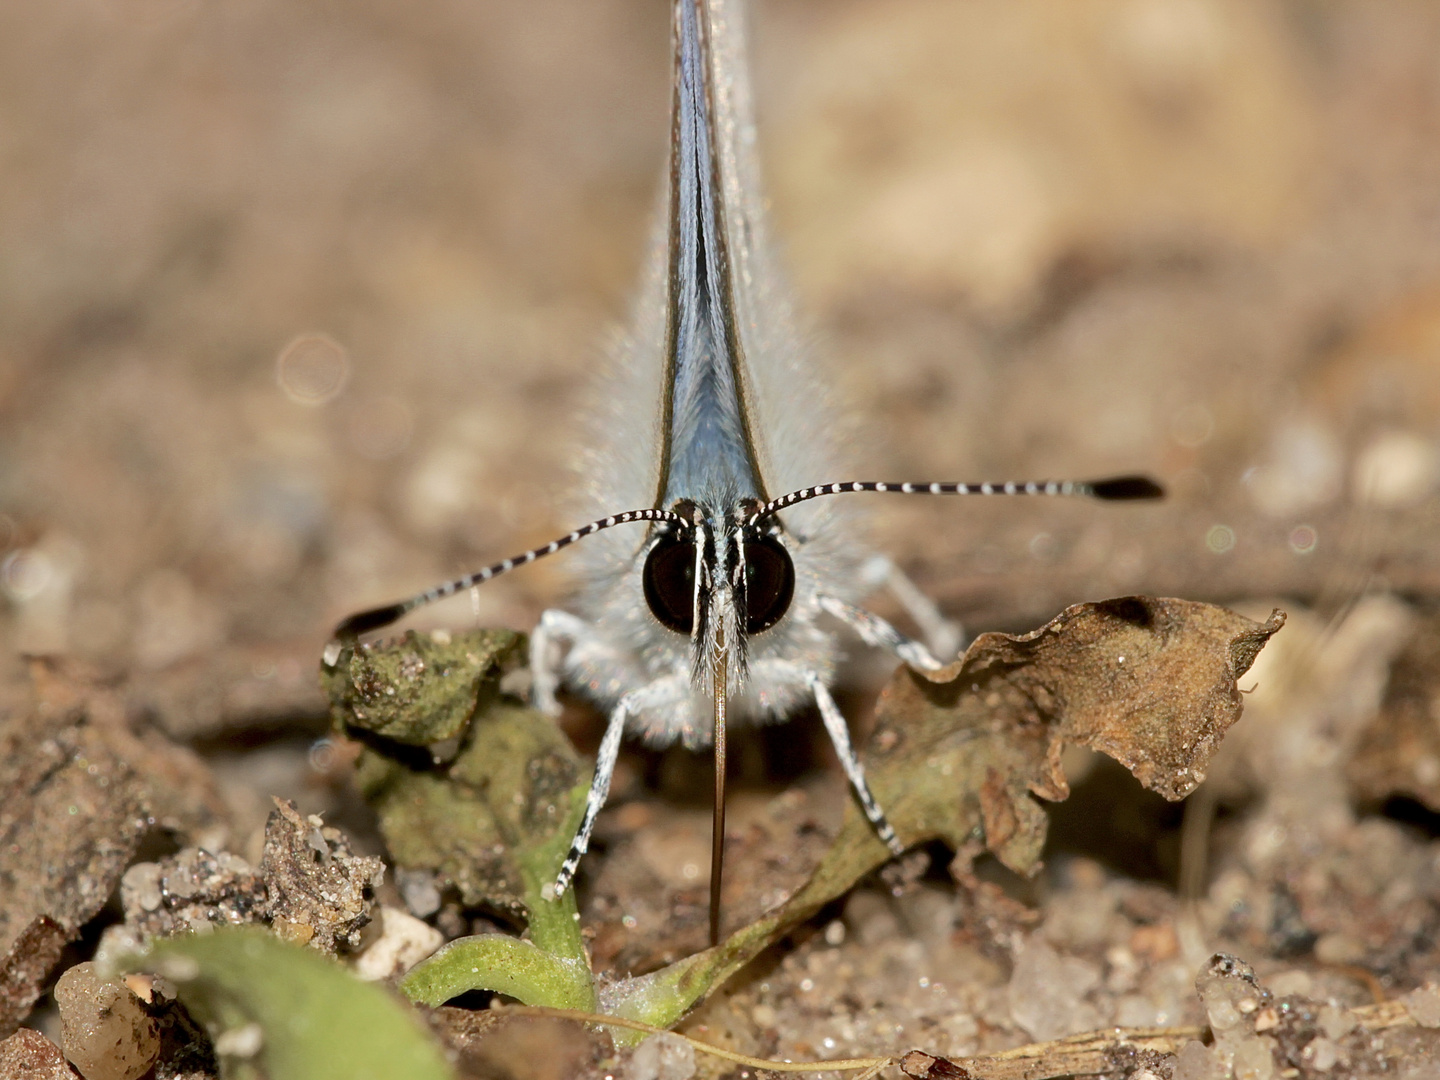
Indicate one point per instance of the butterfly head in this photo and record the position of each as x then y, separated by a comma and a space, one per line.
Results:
718, 576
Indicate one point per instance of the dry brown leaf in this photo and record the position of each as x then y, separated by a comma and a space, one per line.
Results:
1150, 682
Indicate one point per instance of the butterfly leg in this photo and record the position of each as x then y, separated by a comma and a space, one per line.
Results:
878, 633
663, 691
840, 738
944, 636
555, 627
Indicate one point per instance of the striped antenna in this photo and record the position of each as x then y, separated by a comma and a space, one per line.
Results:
1115, 489
373, 619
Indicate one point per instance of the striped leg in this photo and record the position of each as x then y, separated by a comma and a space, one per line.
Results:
661, 692
878, 633
943, 635
555, 627
840, 738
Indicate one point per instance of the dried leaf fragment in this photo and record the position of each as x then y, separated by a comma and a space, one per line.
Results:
1150, 682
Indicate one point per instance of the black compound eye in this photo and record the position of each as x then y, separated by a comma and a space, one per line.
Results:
669, 582
769, 584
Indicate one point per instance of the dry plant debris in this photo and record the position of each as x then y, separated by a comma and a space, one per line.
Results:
1151, 683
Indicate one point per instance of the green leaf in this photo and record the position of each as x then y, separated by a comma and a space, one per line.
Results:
316, 1020
509, 784
505, 965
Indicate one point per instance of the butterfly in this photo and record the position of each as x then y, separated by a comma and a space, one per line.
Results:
722, 571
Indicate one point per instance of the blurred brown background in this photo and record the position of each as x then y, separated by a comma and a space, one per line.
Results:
297, 299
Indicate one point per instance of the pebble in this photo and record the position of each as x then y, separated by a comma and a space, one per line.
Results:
1254, 1059
28, 1055
421, 893
141, 886
1047, 992
240, 1042
1196, 1061
663, 1057
1337, 1022
1423, 1005
105, 1031
403, 942
1321, 1054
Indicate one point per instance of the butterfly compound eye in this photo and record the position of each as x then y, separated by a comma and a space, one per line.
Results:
769, 584
669, 582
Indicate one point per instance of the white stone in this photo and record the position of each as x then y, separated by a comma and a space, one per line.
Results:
1047, 992
663, 1057
1196, 1061
1254, 1059
1321, 1054
1397, 470
403, 942
1423, 1005
1337, 1022
241, 1042
140, 886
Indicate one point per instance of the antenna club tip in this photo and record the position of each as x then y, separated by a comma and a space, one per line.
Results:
364, 621
1124, 488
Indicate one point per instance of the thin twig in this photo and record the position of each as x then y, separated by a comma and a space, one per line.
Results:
1091, 1053
840, 1065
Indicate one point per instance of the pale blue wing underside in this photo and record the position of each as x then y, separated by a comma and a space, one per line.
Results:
710, 456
